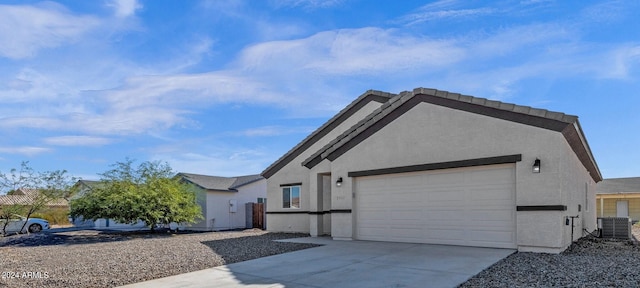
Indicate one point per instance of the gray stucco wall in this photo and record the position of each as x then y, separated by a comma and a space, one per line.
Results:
431, 134
294, 172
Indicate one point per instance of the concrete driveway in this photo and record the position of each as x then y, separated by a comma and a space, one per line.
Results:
347, 264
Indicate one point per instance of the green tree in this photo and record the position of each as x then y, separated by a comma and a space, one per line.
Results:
45, 186
149, 193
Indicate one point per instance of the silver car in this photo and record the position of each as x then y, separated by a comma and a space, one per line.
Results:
16, 223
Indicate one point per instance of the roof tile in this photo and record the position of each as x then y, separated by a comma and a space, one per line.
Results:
492, 104
521, 109
465, 98
479, 101
538, 112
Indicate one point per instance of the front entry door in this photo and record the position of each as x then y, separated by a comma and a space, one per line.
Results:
622, 209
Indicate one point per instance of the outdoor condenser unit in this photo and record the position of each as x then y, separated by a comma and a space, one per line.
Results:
615, 227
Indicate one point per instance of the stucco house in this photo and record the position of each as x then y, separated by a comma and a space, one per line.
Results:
430, 166
619, 197
223, 199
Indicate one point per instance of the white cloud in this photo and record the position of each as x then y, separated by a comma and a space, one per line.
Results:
307, 4
77, 141
352, 51
443, 9
126, 97
216, 161
25, 30
268, 131
624, 60
24, 150
124, 8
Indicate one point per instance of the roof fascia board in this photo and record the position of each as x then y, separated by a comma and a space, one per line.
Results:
572, 134
568, 129
342, 116
382, 122
536, 121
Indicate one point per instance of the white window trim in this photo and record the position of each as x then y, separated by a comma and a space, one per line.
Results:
290, 198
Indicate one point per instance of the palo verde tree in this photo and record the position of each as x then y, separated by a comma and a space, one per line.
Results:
43, 188
149, 193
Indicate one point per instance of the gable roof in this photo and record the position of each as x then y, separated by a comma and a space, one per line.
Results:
327, 127
568, 125
26, 196
218, 183
619, 185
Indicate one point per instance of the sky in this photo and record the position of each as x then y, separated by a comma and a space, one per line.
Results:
227, 87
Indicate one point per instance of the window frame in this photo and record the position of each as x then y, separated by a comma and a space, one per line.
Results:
586, 197
291, 189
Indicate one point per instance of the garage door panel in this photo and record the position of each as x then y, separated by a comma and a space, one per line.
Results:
492, 236
447, 234
444, 215
474, 206
492, 193
490, 214
444, 194
373, 214
404, 215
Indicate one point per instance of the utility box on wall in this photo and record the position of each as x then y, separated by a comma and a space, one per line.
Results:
233, 206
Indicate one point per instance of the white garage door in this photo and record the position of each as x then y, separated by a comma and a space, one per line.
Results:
464, 206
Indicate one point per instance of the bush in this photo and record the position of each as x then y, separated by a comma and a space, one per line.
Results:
55, 216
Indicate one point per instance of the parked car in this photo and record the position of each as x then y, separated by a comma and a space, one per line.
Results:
16, 223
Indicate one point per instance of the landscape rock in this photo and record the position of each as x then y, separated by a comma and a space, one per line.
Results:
90, 258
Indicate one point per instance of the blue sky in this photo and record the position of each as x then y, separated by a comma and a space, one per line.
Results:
226, 87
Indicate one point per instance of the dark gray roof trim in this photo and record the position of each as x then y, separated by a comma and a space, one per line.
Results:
327, 127
619, 186
440, 165
245, 180
226, 184
397, 106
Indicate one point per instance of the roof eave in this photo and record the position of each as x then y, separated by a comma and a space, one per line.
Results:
353, 107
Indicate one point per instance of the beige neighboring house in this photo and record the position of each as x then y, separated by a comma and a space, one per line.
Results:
26, 196
430, 166
619, 197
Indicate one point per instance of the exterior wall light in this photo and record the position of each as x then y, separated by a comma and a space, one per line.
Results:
339, 182
536, 166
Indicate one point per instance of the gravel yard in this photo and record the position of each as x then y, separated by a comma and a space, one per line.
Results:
90, 258
592, 262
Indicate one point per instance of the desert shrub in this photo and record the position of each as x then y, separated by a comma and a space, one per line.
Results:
55, 216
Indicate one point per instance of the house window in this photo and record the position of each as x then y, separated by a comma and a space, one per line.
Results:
586, 197
291, 197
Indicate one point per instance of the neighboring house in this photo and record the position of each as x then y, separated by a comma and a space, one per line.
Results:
85, 186
26, 196
223, 199
430, 166
619, 197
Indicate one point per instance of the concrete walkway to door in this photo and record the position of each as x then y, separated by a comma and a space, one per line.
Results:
347, 264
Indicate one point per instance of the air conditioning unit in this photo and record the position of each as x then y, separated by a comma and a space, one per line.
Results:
615, 227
